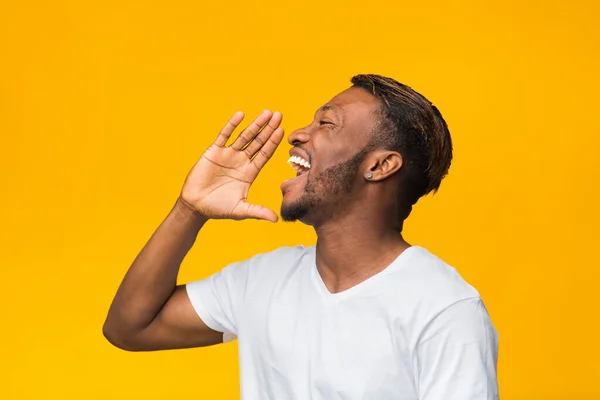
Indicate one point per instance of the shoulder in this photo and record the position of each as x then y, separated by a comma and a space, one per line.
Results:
426, 275
263, 269
426, 285
282, 258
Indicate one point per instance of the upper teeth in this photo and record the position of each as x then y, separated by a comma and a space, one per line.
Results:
299, 160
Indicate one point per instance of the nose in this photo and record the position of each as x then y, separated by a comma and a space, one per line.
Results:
298, 137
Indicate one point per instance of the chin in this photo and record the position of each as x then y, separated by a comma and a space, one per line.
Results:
287, 202
296, 209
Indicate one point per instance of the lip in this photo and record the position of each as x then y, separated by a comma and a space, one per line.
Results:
292, 181
294, 151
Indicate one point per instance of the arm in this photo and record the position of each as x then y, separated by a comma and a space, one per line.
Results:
149, 312
457, 355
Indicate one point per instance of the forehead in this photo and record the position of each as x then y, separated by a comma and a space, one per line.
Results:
355, 105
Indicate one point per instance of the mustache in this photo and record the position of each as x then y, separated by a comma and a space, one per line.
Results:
299, 146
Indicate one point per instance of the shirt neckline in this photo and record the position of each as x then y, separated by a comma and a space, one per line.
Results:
394, 265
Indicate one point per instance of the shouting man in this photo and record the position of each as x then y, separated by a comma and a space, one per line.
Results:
360, 315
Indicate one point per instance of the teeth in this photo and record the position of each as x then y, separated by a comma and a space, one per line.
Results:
299, 161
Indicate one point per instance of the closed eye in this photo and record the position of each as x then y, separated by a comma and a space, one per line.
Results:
326, 123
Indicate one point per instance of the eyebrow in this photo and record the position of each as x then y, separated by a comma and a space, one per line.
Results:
330, 107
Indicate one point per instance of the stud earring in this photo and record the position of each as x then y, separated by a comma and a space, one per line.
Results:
369, 175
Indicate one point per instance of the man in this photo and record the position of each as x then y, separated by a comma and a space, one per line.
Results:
361, 315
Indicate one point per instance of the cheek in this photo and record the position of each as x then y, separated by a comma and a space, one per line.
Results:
330, 150
325, 162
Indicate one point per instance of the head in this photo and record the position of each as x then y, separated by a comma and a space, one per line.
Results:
378, 142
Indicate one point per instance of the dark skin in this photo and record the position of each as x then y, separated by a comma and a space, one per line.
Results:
150, 312
346, 255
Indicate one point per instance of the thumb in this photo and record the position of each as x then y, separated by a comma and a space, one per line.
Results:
257, 212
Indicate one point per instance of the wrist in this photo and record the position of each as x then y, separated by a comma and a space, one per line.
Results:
186, 210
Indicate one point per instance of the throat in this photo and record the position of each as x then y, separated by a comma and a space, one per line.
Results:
343, 265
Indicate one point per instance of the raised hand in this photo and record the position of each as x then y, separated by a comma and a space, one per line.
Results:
217, 186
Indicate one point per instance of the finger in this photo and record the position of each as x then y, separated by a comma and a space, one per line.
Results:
255, 211
229, 128
248, 134
265, 152
264, 135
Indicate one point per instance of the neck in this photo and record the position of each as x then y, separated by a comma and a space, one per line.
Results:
354, 248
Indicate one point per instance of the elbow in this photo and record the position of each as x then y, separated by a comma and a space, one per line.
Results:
113, 336
120, 339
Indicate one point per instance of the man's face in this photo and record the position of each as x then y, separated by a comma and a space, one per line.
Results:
327, 155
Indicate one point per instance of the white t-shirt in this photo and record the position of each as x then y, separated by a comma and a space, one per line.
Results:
416, 330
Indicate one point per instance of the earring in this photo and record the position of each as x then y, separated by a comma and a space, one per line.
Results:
369, 175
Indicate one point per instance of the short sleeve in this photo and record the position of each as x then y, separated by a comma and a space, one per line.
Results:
457, 354
216, 298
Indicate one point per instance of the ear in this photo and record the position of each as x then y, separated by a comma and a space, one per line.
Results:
382, 164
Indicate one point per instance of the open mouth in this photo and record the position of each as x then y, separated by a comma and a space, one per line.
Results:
299, 164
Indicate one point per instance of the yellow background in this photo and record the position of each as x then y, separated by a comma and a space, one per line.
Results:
105, 105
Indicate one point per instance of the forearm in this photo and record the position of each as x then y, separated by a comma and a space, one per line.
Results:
152, 277
149, 311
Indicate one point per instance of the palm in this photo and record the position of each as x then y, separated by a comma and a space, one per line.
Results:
221, 179
217, 186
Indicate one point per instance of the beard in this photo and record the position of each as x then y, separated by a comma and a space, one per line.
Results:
327, 189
